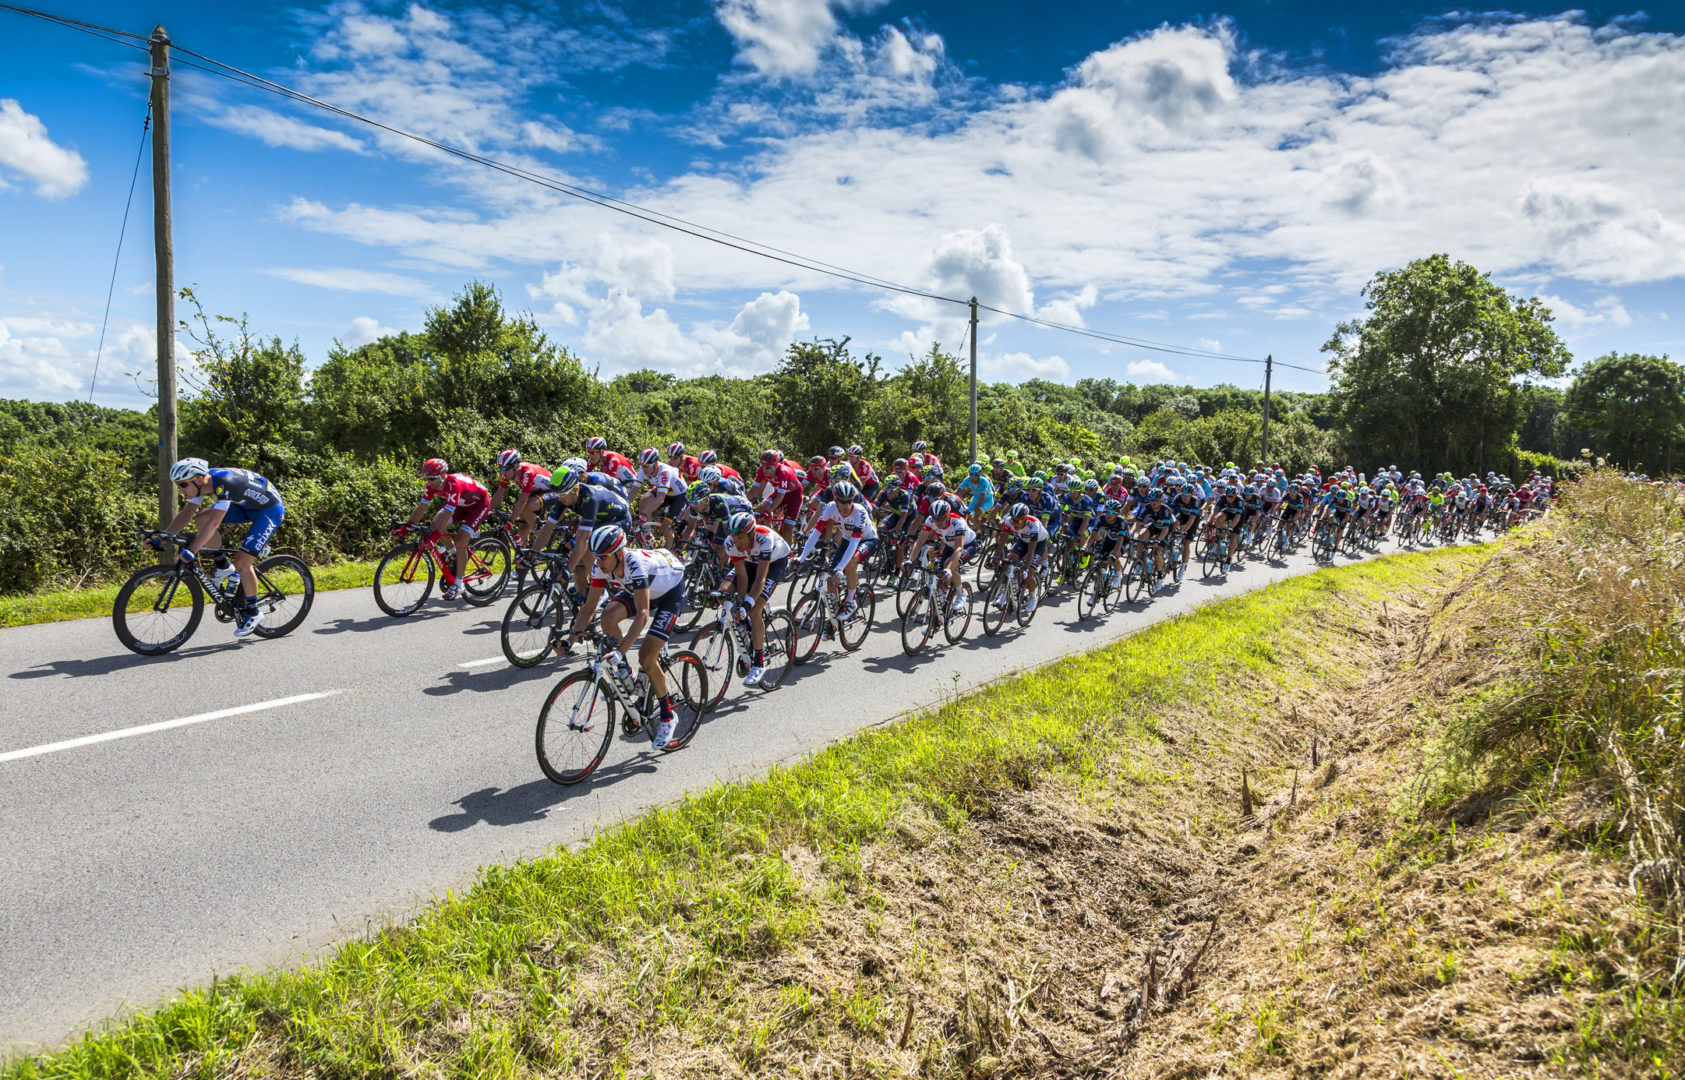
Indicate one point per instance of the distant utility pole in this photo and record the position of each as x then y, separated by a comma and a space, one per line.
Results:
164, 253
1269, 363
973, 378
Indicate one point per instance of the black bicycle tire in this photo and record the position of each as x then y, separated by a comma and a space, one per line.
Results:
806, 620
555, 604
474, 593
196, 596
558, 776
268, 630
404, 550
909, 625
726, 670
996, 591
695, 702
780, 658
960, 602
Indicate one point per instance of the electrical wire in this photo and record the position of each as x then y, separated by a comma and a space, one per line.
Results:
111, 289
104, 33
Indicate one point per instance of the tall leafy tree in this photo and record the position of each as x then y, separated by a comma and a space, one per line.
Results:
1429, 374
1633, 406
822, 393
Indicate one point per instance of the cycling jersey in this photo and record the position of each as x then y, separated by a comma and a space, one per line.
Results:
616, 465
457, 490
957, 532
240, 487
658, 571
664, 479
594, 505
528, 477
1155, 517
856, 527
1046, 507
764, 546
1030, 530
863, 470
730, 473
604, 480
784, 477
720, 505
1079, 507
730, 485
688, 467
1185, 507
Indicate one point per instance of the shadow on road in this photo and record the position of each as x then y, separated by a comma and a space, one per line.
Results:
378, 622
483, 680
105, 665
533, 800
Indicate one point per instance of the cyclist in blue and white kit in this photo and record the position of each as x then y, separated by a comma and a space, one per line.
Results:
595, 506
955, 535
981, 490
238, 497
853, 520
1031, 536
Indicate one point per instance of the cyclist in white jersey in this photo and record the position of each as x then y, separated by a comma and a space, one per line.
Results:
859, 533
760, 556
953, 532
660, 487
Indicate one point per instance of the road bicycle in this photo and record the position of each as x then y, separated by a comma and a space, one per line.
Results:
1006, 596
818, 617
725, 645
931, 603
159, 607
404, 578
541, 612
1322, 541
578, 719
1101, 589
1219, 551
705, 572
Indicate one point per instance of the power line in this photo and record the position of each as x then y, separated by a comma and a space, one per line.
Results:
105, 33
145, 126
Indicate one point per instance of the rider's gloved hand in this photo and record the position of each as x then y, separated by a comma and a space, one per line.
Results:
156, 543
186, 557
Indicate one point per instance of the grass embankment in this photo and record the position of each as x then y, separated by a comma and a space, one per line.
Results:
96, 602
1059, 875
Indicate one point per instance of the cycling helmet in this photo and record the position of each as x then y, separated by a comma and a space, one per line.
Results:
940, 509
675, 449
920, 447
1187, 489
696, 489
710, 475
564, 481
1091, 485
900, 463
1012, 455
575, 463
839, 470
596, 442
933, 489
606, 539
976, 469
1041, 474
649, 456
1112, 507
1155, 495
916, 461
508, 459
998, 463
856, 450
817, 459
933, 472
771, 457
1035, 483
835, 451
433, 467
1230, 489
892, 481
1019, 511
189, 467
709, 457
740, 522
843, 491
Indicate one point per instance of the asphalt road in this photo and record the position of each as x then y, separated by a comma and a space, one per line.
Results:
135, 865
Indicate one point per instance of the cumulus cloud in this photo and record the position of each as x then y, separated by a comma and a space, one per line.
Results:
1018, 365
638, 268
37, 367
364, 329
275, 129
621, 336
782, 39
760, 333
1605, 311
1151, 371
27, 151
351, 279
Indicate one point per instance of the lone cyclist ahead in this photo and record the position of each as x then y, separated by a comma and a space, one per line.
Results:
238, 497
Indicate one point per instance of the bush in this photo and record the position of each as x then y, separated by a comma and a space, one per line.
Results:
69, 518
344, 509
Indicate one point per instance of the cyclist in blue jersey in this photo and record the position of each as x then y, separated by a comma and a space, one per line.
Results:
595, 506
238, 497
979, 488
1042, 503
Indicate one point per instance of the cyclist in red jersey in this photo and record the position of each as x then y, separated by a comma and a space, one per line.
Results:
815, 477
523, 476
466, 504
779, 480
689, 466
923, 448
869, 483
711, 458
606, 461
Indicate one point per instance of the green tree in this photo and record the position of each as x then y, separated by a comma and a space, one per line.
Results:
250, 404
1428, 377
1633, 406
929, 399
822, 393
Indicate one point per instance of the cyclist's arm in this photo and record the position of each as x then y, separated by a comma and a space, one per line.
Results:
640, 619
497, 496
206, 522
582, 617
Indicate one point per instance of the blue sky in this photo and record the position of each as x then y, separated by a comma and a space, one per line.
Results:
1224, 180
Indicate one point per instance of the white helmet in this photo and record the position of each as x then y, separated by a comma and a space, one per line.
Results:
189, 467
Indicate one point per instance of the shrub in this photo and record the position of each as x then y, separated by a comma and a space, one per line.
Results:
68, 517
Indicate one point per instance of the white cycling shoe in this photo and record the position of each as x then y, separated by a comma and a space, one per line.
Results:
754, 677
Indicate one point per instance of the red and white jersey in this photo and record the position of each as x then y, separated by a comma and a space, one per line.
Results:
783, 477
688, 465
816, 475
455, 489
764, 545
858, 524
659, 571
956, 531
1031, 530
527, 475
729, 473
863, 470
662, 478
616, 465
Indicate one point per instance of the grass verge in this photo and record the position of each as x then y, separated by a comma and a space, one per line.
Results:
1191, 850
65, 604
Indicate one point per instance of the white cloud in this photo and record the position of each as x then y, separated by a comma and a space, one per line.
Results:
1151, 371
26, 150
1068, 309
364, 329
1605, 311
1210, 344
1017, 365
621, 337
350, 279
50, 357
782, 39
275, 129
37, 367
639, 268
759, 335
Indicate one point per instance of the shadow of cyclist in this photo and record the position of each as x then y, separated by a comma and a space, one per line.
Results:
533, 800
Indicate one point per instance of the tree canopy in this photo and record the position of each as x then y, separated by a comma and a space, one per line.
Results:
1633, 406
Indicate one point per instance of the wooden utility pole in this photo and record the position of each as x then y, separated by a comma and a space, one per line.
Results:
165, 274
1269, 363
973, 378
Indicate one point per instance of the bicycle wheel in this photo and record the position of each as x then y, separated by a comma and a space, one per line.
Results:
780, 652
157, 610
810, 624
699, 579
285, 591
403, 580
529, 626
575, 727
1026, 613
917, 624
687, 681
988, 558
716, 646
905, 584
995, 603
956, 618
1134, 580
1092, 596
489, 562
802, 582
854, 629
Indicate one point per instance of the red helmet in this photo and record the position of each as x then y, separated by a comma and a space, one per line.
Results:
709, 457
649, 456
434, 467
508, 459
817, 459
675, 450
596, 442
771, 457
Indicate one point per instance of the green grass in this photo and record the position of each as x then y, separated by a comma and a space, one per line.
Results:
96, 602
657, 918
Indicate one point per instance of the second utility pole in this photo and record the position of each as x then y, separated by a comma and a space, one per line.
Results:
1269, 362
973, 378
164, 253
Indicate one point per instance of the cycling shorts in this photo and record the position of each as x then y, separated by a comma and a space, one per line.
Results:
264, 522
792, 507
663, 610
1107, 546
862, 548
1022, 550
948, 550
892, 523
870, 490
673, 505
470, 512
774, 574
982, 503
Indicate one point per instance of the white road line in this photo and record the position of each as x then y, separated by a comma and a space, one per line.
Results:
164, 725
483, 663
